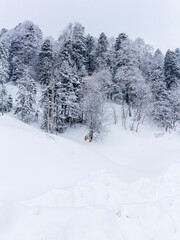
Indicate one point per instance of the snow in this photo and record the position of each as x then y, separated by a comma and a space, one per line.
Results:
124, 186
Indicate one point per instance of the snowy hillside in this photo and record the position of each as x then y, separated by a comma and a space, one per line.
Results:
123, 187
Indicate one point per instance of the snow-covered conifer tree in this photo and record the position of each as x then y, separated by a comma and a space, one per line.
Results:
90, 55
26, 101
25, 40
171, 70
79, 49
102, 52
45, 63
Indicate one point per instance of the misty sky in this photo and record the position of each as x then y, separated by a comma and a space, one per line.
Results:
157, 21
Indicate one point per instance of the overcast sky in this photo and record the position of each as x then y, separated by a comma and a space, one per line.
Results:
157, 21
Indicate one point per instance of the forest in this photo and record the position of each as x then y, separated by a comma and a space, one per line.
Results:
77, 74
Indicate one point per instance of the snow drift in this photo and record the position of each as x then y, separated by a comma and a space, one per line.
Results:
59, 187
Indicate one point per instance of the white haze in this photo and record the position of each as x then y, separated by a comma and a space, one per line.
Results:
157, 21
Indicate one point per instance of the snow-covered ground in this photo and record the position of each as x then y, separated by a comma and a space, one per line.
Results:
125, 186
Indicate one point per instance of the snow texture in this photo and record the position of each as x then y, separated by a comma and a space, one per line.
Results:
122, 187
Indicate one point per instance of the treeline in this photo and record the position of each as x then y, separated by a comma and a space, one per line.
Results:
78, 73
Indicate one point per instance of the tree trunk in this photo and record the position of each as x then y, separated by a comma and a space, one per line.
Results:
52, 111
48, 116
90, 135
2, 98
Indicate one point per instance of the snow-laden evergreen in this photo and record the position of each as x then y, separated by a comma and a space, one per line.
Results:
25, 108
145, 83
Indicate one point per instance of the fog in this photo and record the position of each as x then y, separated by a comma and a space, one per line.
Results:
156, 21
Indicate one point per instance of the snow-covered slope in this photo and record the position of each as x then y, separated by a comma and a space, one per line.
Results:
124, 187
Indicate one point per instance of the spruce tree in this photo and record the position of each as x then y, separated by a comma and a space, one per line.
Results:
119, 41
171, 71
90, 55
78, 49
102, 52
68, 93
26, 101
25, 41
45, 63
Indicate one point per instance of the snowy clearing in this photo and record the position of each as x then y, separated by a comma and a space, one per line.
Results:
123, 187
